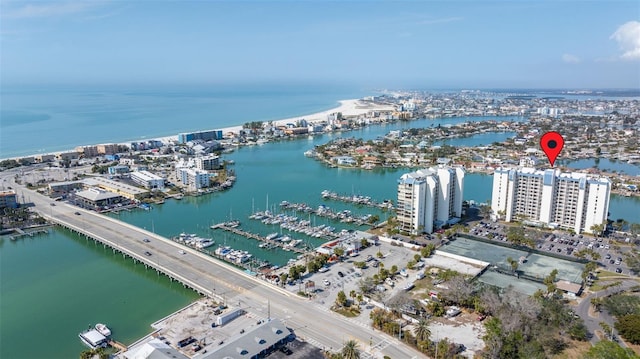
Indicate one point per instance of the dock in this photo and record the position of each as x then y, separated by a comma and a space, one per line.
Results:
21, 233
258, 237
116, 344
356, 199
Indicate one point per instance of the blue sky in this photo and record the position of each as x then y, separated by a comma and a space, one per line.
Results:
426, 44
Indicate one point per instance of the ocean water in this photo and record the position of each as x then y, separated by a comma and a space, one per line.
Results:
56, 285
47, 119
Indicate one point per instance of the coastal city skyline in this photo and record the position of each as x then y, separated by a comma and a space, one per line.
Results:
359, 179
535, 44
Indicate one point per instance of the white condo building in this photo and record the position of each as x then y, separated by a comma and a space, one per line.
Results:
574, 201
194, 179
148, 180
429, 199
208, 163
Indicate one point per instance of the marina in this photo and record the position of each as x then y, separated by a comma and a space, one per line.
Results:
191, 212
344, 216
357, 199
285, 245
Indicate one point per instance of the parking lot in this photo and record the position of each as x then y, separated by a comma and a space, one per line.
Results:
560, 243
344, 276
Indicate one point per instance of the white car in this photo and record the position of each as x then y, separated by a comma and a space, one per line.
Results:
326, 282
182, 252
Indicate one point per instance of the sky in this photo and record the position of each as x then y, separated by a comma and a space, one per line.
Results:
386, 44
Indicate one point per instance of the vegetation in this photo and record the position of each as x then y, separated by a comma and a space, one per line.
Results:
527, 327
622, 304
91, 353
609, 350
428, 250
295, 272
629, 327
516, 236
316, 263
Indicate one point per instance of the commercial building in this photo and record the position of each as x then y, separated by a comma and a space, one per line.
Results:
67, 156
430, 198
118, 170
123, 189
88, 151
97, 199
154, 349
8, 199
204, 135
254, 343
207, 163
148, 180
573, 201
108, 149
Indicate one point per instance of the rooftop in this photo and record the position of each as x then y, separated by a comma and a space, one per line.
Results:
252, 342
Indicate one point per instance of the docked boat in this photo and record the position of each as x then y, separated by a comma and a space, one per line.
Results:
93, 339
272, 236
233, 224
223, 251
103, 329
204, 243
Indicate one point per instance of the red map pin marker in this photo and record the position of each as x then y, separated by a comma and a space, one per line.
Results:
552, 143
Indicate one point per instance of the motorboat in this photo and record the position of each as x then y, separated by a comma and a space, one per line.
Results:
103, 329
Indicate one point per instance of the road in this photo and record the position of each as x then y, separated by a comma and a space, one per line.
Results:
310, 321
592, 323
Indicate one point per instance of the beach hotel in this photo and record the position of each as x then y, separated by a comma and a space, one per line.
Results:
204, 135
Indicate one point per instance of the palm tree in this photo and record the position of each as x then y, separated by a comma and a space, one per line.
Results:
350, 350
423, 333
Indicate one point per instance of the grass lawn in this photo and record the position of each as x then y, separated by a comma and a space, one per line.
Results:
347, 312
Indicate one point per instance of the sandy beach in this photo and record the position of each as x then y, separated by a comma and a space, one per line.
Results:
350, 107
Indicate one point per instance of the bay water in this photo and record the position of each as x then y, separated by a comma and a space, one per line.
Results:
55, 285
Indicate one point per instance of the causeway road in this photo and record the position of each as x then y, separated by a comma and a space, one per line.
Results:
212, 277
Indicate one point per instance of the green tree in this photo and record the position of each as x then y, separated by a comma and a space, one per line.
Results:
339, 251
350, 350
428, 250
513, 263
341, 299
629, 327
597, 229
423, 333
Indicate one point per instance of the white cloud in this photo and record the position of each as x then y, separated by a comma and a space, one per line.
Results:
41, 10
570, 59
628, 38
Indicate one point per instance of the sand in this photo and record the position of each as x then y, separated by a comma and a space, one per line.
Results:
352, 107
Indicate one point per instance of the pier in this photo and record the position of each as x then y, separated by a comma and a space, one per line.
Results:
29, 233
246, 234
357, 199
343, 216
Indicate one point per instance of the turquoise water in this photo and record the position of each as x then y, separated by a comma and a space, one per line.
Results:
56, 285
603, 164
63, 118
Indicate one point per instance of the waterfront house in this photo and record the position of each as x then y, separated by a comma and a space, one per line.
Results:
344, 160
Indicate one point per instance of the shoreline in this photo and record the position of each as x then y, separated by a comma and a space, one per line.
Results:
348, 107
